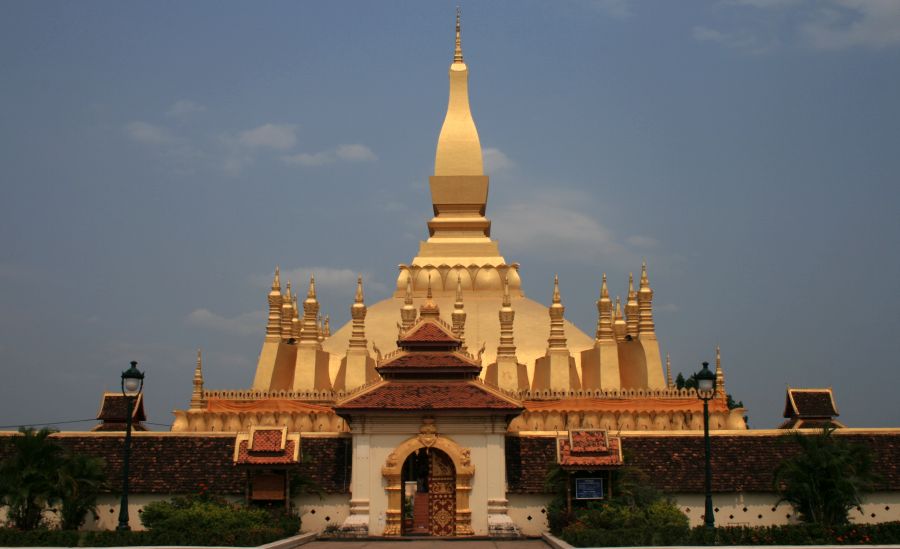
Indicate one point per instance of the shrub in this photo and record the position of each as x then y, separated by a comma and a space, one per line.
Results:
10, 537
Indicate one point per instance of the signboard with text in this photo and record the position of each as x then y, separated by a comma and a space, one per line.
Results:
589, 488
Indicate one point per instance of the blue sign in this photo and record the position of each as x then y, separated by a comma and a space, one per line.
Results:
589, 488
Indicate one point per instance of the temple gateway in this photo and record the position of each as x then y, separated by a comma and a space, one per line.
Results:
440, 410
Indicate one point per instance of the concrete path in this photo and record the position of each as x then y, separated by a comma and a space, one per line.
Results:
427, 544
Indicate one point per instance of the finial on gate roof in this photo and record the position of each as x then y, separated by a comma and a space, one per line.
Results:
458, 316
197, 400
457, 52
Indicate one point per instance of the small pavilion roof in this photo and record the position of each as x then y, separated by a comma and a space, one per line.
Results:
438, 395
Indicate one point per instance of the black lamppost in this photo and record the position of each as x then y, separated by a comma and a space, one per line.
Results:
132, 385
706, 389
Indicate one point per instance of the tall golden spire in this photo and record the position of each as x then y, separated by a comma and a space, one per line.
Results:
287, 313
197, 400
458, 316
295, 321
273, 327
507, 347
358, 314
604, 314
557, 339
309, 327
408, 311
632, 309
645, 305
619, 326
458, 149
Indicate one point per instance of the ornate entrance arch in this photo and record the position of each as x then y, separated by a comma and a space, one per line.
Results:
392, 470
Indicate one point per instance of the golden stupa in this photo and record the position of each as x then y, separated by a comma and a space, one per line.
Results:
612, 379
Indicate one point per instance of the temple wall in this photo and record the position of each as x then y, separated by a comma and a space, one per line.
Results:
759, 509
316, 513
529, 512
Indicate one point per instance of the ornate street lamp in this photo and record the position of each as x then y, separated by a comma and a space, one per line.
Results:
132, 385
706, 390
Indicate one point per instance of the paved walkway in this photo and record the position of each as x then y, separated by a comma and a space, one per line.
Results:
427, 544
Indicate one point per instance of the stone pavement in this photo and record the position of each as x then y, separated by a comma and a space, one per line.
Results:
427, 544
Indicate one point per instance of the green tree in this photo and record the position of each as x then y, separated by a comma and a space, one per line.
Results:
79, 482
28, 477
826, 478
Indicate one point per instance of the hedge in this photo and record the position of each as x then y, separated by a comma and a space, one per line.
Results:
884, 533
111, 538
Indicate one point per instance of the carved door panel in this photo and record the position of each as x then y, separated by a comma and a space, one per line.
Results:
442, 494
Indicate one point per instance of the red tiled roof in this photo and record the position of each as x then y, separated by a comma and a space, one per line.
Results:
571, 457
113, 408
430, 360
267, 440
809, 403
256, 457
588, 441
425, 395
429, 332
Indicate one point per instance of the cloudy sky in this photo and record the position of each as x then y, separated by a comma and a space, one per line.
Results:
158, 159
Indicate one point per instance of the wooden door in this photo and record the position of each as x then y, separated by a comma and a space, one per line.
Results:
442, 494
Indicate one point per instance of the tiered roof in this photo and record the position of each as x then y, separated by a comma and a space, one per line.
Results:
113, 413
267, 446
589, 449
810, 409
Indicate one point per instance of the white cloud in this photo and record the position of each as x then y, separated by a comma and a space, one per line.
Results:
183, 107
496, 161
273, 136
542, 226
243, 324
355, 153
341, 153
639, 241
742, 40
338, 280
871, 24
149, 134
618, 9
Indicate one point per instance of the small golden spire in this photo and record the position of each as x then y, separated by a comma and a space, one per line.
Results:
327, 328
429, 308
287, 291
295, 321
197, 400
457, 53
275, 300
458, 316
646, 327
359, 290
507, 346
276, 281
287, 313
668, 372
720, 375
557, 339
408, 311
604, 314
632, 309
619, 326
358, 315
311, 294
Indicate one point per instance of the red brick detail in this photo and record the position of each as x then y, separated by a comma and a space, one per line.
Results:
271, 457
424, 395
184, 464
675, 463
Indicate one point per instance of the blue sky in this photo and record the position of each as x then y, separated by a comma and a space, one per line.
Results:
158, 159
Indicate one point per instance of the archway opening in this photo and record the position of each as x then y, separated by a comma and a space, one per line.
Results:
428, 481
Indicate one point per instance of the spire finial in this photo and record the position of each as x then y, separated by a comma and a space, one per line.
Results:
408, 298
359, 290
311, 294
457, 53
459, 296
668, 372
276, 281
556, 297
428, 294
720, 375
287, 294
458, 316
197, 400
645, 282
506, 300
604, 290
